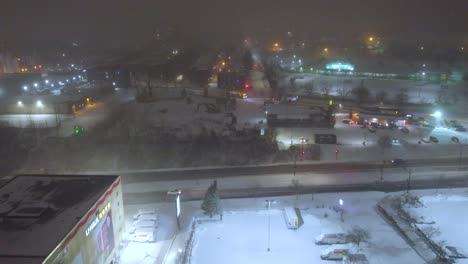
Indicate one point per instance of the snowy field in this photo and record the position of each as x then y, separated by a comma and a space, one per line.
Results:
242, 236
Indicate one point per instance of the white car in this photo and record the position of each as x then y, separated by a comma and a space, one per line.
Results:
334, 254
144, 234
329, 239
291, 98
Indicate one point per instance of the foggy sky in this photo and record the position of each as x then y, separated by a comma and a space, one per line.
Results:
118, 23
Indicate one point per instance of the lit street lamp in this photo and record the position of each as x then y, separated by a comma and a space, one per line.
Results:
176, 193
269, 202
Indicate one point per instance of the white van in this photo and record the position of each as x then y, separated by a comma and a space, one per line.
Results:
290, 216
144, 224
144, 234
334, 254
146, 215
329, 239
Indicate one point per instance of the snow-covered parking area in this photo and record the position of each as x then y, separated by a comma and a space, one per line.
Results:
443, 218
242, 235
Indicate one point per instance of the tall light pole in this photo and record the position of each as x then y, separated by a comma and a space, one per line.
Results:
176, 193
461, 156
269, 202
408, 184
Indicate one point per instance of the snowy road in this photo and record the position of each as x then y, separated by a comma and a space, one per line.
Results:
148, 187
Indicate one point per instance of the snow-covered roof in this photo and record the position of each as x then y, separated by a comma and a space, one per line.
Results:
38, 211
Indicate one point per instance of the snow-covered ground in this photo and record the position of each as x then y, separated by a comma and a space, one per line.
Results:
443, 218
242, 235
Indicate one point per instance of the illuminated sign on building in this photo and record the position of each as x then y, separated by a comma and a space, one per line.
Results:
98, 218
340, 66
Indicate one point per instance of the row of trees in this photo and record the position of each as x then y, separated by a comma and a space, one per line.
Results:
360, 93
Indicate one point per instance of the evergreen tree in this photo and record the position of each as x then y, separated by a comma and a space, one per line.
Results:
211, 204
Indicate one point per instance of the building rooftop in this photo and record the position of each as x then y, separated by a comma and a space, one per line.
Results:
38, 211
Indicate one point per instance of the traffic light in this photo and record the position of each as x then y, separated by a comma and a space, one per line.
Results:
77, 130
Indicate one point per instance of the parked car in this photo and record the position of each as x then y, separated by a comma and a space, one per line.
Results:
433, 139
404, 130
455, 139
270, 101
237, 94
355, 259
291, 98
144, 234
460, 129
334, 254
347, 121
372, 130
330, 239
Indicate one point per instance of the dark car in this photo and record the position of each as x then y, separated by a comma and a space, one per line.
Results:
371, 129
398, 161
347, 121
460, 129
434, 139
455, 139
404, 130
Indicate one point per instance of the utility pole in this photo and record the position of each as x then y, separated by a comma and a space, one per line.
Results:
460, 157
408, 182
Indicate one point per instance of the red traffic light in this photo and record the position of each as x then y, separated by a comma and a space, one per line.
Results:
337, 151
246, 86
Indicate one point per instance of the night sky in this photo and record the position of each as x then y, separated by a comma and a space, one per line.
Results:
104, 24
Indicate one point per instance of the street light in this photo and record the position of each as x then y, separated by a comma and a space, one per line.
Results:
20, 104
35, 85
177, 194
269, 202
39, 104
437, 114
46, 81
25, 88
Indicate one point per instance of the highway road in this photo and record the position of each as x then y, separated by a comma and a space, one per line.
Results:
236, 182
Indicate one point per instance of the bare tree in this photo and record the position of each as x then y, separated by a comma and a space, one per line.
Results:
361, 93
430, 231
401, 97
325, 89
381, 96
357, 235
296, 185
309, 88
344, 92
384, 142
